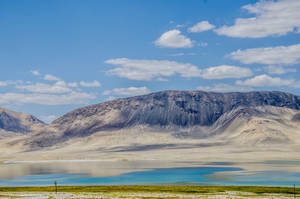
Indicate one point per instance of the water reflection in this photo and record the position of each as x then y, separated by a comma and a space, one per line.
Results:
11, 170
142, 172
154, 176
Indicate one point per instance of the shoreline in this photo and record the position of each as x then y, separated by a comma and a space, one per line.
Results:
161, 188
140, 191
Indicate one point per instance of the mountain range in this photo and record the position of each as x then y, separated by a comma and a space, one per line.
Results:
161, 120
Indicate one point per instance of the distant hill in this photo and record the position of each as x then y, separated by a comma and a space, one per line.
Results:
12, 123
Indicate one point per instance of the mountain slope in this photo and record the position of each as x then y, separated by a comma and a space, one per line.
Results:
197, 110
180, 108
170, 125
256, 133
12, 123
263, 125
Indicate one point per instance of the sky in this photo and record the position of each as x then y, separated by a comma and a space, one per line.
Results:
58, 55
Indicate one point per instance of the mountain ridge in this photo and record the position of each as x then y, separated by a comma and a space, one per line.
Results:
12, 122
163, 110
188, 122
181, 98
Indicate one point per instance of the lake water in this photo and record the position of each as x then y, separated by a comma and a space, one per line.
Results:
138, 173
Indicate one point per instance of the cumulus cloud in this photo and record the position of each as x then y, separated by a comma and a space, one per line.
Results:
225, 71
35, 72
130, 91
174, 39
94, 83
271, 18
265, 80
282, 55
201, 27
46, 99
57, 87
57, 92
161, 79
49, 77
177, 54
149, 69
9, 82
278, 70
4, 83
73, 84
182, 54
224, 88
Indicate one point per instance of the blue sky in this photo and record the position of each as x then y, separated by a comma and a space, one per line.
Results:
59, 55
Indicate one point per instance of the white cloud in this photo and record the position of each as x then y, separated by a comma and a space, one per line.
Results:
107, 92
48, 118
57, 87
161, 79
149, 69
9, 82
174, 39
73, 84
224, 88
95, 83
35, 72
282, 55
225, 71
56, 93
265, 80
4, 83
110, 98
177, 54
271, 18
46, 99
278, 70
130, 91
49, 77
201, 27
182, 54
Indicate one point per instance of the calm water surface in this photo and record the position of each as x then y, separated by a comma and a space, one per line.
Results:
137, 173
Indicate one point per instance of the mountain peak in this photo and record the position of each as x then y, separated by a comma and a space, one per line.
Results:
16, 122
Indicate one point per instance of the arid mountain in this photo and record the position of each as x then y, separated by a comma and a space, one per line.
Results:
168, 124
12, 123
206, 113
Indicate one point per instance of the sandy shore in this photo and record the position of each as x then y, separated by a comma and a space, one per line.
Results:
124, 148
142, 195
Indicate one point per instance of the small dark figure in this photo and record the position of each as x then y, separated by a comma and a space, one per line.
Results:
55, 184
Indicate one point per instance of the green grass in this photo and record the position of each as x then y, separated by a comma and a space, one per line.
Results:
162, 189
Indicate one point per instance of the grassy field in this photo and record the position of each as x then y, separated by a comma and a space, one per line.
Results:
167, 189
149, 192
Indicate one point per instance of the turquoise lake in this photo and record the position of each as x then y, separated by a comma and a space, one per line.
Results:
91, 173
